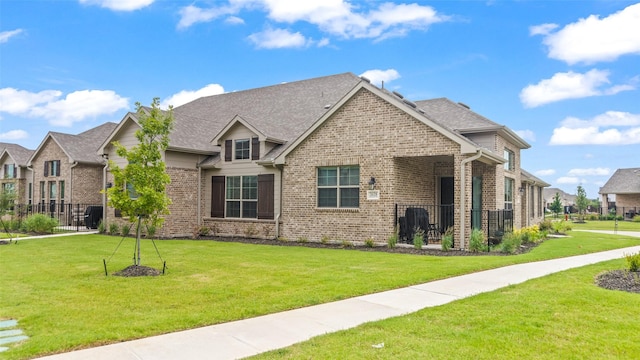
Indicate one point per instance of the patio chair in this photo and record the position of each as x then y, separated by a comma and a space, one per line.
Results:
418, 218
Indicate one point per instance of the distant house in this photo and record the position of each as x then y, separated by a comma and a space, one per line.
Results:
15, 176
339, 158
532, 191
566, 199
67, 170
624, 186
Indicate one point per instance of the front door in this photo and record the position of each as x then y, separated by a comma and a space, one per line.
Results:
446, 203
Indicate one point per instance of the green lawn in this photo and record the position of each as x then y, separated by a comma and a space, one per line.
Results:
561, 316
607, 225
57, 290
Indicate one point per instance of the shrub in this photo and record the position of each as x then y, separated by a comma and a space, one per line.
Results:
303, 240
369, 243
102, 228
531, 234
633, 262
476, 242
39, 223
324, 239
561, 227
250, 231
113, 229
347, 244
418, 239
636, 218
447, 240
126, 229
392, 241
546, 224
510, 243
202, 231
151, 231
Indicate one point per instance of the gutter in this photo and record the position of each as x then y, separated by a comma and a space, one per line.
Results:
75, 163
463, 211
198, 211
104, 193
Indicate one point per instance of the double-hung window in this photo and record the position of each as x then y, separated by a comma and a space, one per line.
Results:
508, 193
10, 171
511, 158
242, 196
243, 148
338, 187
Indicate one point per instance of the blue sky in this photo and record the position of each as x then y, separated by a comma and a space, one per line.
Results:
565, 75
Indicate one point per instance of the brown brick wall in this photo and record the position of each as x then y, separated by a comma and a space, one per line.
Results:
387, 144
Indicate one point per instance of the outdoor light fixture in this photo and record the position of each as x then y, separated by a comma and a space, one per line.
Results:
372, 183
521, 190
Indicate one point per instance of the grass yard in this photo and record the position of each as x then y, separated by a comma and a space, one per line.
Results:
561, 316
57, 290
609, 225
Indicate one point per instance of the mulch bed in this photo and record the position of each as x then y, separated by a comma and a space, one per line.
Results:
622, 280
137, 270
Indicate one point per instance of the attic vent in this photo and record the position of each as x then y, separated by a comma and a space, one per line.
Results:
410, 103
465, 105
365, 79
327, 106
398, 94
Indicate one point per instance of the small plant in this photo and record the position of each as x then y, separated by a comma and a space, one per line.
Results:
636, 218
113, 229
476, 242
633, 262
324, 239
204, 230
510, 243
283, 239
369, 243
151, 231
346, 244
546, 224
447, 240
392, 241
266, 231
126, 229
102, 228
418, 239
39, 223
303, 240
250, 231
561, 227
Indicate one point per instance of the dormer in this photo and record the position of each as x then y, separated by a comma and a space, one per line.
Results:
241, 142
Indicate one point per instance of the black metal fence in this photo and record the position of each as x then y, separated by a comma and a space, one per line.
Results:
71, 217
498, 223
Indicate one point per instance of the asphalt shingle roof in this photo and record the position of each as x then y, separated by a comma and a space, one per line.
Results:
84, 146
281, 111
455, 116
623, 181
19, 153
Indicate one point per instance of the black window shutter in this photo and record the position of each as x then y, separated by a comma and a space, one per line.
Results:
265, 196
255, 148
228, 150
6, 170
217, 196
57, 168
46, 168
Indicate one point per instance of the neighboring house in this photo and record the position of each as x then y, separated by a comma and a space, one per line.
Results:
334, 157
15, 176
532, 192
566, 199
67, 171
624, 185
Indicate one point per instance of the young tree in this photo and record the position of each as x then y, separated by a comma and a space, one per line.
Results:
139, 187
581, 201
556, 205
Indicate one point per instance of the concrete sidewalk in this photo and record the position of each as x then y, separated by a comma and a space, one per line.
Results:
248, 337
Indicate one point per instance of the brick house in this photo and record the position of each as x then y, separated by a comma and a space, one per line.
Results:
335, 158
66, 170
15, 176
623, 187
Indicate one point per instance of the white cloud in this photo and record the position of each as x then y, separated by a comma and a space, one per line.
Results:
570, 85
594, 39
610, 128
569, 180
278, 39
14, 135
527, 135
76, 106
336, 17
545, 172
186, 96
543, 29
234, 20
378, 76
589, 172
6, 35
119, 5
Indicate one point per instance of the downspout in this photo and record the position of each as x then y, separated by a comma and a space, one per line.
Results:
33, 185
281, 197
104, 191
199, 199
75, 163
463, 211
